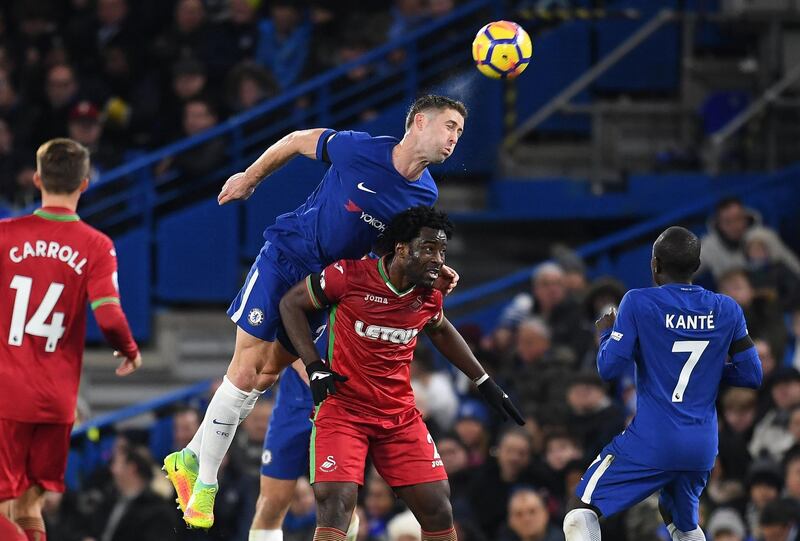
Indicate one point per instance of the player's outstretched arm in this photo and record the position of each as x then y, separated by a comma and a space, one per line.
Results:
242, 185
451, 344
293, 308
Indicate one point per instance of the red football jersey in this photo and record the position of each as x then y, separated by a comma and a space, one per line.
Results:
372, 334
51, 264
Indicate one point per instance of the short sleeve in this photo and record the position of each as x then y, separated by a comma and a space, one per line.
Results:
341, 147
102, 281
333, 281
622, 339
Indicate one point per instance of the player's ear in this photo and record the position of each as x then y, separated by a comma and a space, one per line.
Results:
84, 185
401, 249
37, 180
419, 120
656, 265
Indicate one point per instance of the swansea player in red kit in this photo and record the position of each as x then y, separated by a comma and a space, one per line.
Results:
51, 265
377, 309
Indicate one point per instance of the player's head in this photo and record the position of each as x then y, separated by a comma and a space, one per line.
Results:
418, 237
435, 123
676, 256
62, 167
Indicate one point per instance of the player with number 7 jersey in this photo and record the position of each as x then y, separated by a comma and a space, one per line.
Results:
685, 341
51, 265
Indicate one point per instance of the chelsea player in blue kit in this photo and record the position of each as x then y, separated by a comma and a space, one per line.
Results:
370, 179
685, 341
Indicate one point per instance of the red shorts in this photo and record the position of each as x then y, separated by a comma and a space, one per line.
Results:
32, 454
401, 447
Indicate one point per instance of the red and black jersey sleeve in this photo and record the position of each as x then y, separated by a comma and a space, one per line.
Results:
329, 286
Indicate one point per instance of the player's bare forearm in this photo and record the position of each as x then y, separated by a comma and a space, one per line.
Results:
293, 307
451, 344
303, 142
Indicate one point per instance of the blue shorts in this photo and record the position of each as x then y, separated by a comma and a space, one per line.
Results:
287, 441
613, 483
255, 308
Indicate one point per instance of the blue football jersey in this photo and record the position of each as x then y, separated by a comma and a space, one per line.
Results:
685, 341
358, 196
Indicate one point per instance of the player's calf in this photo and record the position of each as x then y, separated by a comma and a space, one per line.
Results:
335, 504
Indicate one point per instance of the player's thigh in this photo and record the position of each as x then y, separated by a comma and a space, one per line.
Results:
286, 443
15, 446
613, 483
406, 454
339, 446
47, 460
681, 498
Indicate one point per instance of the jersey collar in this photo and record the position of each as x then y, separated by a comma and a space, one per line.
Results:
385, 277
57, 214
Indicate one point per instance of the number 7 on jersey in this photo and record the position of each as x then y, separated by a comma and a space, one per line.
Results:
695, 349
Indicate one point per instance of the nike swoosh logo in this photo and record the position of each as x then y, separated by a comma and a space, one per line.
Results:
219, 423
363, 188
319, 375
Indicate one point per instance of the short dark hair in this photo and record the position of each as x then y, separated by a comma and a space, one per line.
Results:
678, 250
62, 164
726, 202
434, 101
779, 512
406, 226
139, 456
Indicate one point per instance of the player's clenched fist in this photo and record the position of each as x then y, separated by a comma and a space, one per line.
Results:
499, 400
238, 186
322, 380
607, 320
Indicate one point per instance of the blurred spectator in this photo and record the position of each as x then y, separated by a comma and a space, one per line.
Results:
61, 92
574, 270
768, 275
12, 160
792, 355
26, 192
791, 474
560, 449
771, 437
724, 488
779, 521
379, 504
494, 482
763, 314
15, 111
472, 427
593, 417
456, 464
85, 126
725, 524
434, 392
301, 520
241, 28
765, 485
723, 244
135, 513
284, 43
550, 300
738, 415
528, 519
248, 445
248, 85
185, 422
199, 115
603, 293
404, 527
189, 81
406, 16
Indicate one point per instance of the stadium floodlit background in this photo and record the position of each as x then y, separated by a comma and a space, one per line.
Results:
633, 115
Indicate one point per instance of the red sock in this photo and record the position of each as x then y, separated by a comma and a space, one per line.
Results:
329, 534
33, 528
444, 535
10, 531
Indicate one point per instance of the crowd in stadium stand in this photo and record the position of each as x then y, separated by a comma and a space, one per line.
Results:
515, 484
120, 76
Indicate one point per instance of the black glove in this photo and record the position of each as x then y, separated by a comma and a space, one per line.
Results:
499, 400
321, 380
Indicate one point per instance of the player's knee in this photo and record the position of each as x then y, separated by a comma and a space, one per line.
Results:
270, 509
581, 525
335, 505
437, 515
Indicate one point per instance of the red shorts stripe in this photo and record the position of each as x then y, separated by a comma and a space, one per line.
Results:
400, 446
32, 454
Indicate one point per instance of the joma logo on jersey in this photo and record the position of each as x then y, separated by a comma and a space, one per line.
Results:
386, 334
374, 298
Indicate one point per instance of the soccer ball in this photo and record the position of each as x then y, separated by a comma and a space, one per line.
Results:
502, 50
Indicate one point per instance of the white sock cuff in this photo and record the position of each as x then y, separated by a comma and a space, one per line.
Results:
693, 535
265, 535
233, 391
581, 525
